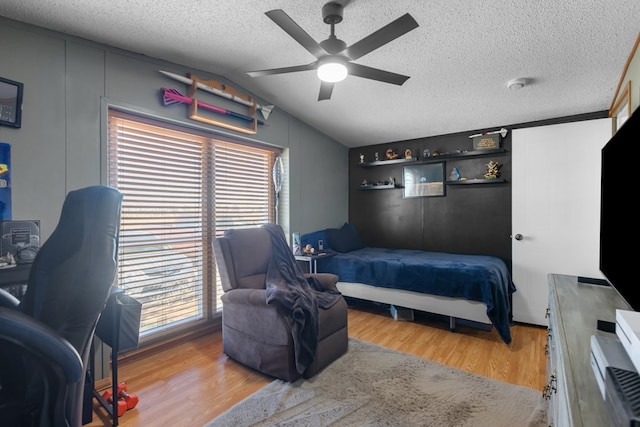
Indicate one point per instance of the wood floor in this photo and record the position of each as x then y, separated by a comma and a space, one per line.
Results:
191, 383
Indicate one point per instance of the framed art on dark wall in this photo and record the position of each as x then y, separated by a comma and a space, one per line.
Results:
10, 103
425, 180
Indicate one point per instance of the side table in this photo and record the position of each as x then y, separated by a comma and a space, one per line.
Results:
312, 260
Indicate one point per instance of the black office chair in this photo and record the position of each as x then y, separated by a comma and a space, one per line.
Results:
45, 338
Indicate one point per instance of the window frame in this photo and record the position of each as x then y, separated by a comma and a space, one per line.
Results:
211, 289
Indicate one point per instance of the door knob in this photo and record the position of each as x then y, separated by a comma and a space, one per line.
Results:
518, 236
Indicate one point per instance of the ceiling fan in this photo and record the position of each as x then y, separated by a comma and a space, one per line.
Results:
333, 57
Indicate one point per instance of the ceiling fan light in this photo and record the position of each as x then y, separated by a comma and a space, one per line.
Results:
332, 71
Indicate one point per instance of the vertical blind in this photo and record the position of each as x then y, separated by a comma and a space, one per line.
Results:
182, 188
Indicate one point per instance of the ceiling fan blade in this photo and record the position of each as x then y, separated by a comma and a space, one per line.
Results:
384, 35
294, 30
293, 69
325, 91
375, 74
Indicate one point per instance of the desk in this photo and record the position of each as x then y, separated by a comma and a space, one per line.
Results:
14, 279
312, 260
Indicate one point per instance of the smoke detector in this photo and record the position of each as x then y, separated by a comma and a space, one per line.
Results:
516, 84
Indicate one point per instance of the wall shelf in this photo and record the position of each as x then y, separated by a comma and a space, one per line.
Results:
379, 187
477, 181
472, 153
386, 162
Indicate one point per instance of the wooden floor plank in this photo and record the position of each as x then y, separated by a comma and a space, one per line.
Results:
191, 383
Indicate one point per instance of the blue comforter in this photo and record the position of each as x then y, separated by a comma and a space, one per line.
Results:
475, 277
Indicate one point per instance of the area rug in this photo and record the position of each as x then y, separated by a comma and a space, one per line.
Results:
376, 386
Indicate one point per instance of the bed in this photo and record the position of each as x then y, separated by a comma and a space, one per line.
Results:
471, 287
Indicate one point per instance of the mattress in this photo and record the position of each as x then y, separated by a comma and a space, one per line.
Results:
479, 278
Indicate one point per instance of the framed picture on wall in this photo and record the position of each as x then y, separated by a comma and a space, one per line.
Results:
621, 109
425, 180
10, 103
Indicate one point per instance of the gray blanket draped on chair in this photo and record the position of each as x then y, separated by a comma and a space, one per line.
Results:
300, 296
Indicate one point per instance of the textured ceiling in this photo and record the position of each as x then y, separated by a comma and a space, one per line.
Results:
460, 58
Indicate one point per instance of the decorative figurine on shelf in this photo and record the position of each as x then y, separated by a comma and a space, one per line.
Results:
309, 250
493, 170
391, 154
426, 153
455, 174
364, 182
361, 158
407, 154
377, 156
392, 181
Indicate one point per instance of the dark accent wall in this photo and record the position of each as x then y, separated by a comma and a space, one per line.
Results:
469, 219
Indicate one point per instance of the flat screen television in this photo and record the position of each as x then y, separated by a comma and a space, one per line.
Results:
619, 222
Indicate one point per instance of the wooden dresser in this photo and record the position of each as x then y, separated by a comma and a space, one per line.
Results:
572, 392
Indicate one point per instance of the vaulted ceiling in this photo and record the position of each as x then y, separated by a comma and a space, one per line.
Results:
459, 59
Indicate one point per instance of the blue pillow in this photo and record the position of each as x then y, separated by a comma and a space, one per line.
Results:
344, 239
313, 239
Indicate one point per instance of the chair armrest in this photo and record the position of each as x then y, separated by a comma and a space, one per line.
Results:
42, 342
327, 280
254, 297
8, 300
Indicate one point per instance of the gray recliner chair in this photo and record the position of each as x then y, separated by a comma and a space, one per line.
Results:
261, 335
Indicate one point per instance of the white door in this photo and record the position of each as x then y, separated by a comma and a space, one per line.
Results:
555, 209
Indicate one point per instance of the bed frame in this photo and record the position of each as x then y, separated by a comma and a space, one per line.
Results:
451, 307
353, 262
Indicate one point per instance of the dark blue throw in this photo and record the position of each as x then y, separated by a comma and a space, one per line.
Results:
298, 295
474, 277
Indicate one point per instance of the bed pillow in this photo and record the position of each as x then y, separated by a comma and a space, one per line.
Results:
344, 239
313, 239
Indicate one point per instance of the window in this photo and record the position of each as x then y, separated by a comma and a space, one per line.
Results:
181, 189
